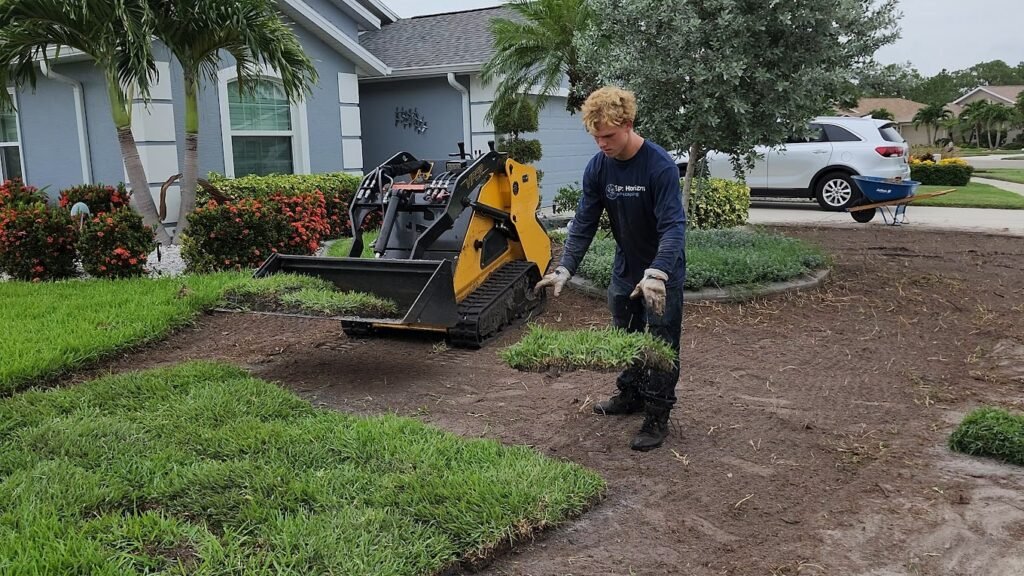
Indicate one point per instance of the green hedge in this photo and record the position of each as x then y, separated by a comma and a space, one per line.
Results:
991, 432
338, 189
718, 203
932, 174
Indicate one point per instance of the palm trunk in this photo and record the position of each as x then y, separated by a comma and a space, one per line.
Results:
141, 198
191, 174
691, 166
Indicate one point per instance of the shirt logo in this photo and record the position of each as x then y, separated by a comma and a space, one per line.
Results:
613, 191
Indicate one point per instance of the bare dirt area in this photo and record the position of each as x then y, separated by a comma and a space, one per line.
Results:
809, 438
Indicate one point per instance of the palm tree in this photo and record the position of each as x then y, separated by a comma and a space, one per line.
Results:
881, 114
116, 35
536, 50
199, 33
973, 115
931, 115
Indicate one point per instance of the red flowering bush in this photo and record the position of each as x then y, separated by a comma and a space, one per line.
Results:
97, 197
337, 188
236, 235
16, 193
37, 242
115, 244
307, 215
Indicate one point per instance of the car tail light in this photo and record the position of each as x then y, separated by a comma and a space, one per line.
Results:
890, 151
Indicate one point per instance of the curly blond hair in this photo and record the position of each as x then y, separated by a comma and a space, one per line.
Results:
611, 106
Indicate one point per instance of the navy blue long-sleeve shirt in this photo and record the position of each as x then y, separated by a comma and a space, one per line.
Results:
644, 203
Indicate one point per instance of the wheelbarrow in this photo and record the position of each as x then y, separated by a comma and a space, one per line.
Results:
889, 196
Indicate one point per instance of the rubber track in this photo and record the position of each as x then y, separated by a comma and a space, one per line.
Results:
494, 305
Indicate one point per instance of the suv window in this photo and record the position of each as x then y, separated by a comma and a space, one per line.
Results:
838, 134
890, 134
814, 133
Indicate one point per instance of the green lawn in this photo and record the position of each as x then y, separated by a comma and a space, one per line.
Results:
984, 152
51, 327
973, 195
1007, 174
200, 469
594, 349
340, 248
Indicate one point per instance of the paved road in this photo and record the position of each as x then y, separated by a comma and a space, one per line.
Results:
1005, 222
982, 162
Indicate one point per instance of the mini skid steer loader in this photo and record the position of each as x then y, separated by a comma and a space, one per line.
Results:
458, 252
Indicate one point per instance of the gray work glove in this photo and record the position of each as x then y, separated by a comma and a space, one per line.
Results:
556, 279
652, 288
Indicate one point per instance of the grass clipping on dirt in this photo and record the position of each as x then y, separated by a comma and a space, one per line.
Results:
202, 469
991, 432
298, 294
588, 349
48, 328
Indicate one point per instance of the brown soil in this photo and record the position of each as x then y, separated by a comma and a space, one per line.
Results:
809, 438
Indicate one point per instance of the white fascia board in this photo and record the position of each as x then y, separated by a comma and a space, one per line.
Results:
305, 15
426, 71
380, 10
357, 12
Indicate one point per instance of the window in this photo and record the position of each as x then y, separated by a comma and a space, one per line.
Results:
838, 134
10, 143
813, 133
261, 130
890, 133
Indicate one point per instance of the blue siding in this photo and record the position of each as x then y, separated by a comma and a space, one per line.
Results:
49, 135
566, 147
435, 100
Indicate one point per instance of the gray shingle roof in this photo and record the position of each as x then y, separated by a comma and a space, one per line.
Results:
436, 40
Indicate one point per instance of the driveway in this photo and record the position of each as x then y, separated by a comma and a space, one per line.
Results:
992, 221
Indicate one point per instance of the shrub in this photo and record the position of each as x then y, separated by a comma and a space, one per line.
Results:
98, 197
718, 203
37, 242
234, 236
991, 432
338, 190
115, 244
16, 193
568, 199
947, 172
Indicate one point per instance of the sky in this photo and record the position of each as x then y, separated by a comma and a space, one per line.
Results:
936, 34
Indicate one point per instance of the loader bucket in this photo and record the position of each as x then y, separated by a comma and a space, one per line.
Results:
422, 289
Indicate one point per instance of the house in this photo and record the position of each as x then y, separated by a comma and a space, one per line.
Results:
386, 84
1005, 95
434, 98
903, 112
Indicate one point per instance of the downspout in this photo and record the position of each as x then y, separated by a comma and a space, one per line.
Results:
83, 133
467, 127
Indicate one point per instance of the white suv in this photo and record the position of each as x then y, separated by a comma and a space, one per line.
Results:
819, 164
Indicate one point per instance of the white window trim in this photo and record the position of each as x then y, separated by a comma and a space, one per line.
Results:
300, 130
21, 139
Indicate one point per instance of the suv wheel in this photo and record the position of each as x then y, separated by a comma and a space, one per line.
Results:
835, 191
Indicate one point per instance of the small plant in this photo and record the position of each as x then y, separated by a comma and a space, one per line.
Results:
98, 197
567, 199
234, 236
596, 349
115, 244
991, 432
37, 242
16, 193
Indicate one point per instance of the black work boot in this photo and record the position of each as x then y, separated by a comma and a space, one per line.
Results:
622, 403
654, 429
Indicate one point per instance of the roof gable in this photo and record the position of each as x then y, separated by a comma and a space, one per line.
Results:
1006, 94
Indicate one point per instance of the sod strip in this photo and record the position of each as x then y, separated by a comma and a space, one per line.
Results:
991, 432
590, 349
298, 294
51, 327
202, 469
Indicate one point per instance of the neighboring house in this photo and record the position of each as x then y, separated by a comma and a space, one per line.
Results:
63, 134
903, 112
383, 87
433, 97
1005, 95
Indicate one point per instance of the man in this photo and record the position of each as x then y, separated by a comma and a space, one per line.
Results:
637, 183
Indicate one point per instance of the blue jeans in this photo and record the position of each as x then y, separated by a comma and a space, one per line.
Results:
656, 387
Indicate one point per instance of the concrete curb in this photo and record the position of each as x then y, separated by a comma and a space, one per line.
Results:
730, 294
